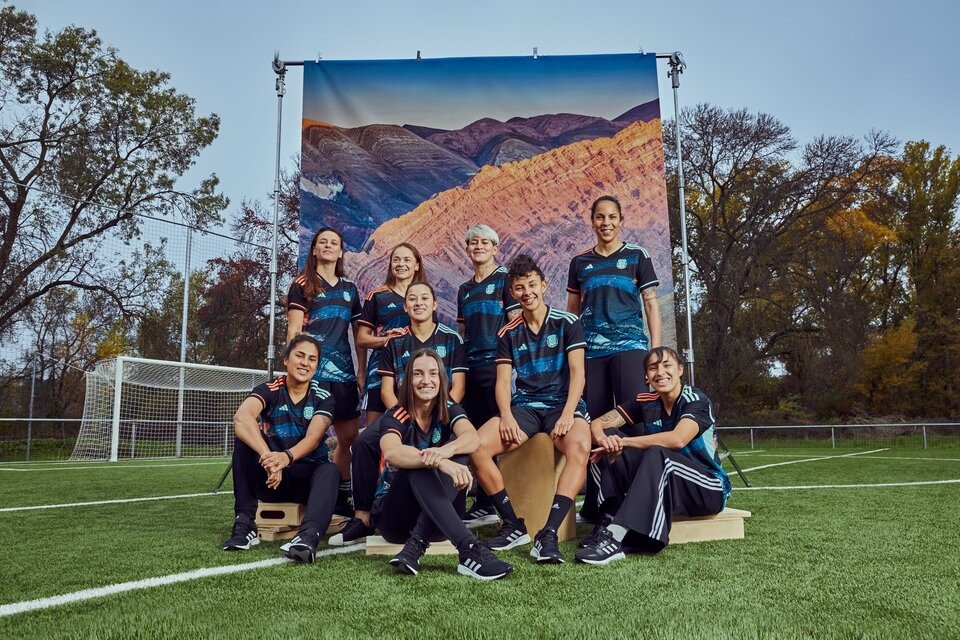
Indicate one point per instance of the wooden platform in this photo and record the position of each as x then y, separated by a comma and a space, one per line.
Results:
377, 546
530, 475
281, 520
726, 525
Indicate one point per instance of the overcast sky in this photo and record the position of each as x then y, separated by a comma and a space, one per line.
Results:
833, 67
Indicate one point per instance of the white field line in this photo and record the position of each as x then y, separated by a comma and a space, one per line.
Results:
848, 486
148, 583
868, 457
117, 501
106, 465
845, 455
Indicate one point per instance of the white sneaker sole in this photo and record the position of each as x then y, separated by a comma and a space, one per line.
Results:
535, 554
484, 520
620, 555
402, 567
524, 539
337, 540
462, 570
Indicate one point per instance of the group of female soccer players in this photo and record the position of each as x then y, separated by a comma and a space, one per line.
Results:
427, 388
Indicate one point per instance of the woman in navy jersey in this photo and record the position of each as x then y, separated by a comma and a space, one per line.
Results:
424, 332
425, 438
325, 304
383, 315
612, 287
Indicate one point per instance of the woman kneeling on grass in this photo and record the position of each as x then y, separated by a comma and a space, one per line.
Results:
422, 435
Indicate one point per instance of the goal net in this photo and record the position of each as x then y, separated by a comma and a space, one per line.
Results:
139, 408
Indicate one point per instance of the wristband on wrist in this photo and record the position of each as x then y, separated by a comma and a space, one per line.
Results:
289, 455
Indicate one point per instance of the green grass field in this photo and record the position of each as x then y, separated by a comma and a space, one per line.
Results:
866, 561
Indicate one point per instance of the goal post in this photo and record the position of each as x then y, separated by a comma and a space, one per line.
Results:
143, 408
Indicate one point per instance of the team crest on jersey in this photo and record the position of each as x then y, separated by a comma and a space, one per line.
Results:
621, 263
441, 351
491, 288
346, 296
435, 436
308, 412
552, 340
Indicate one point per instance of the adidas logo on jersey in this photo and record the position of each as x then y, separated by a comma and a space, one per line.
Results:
588, 267
392, 305
522, 347
406, 354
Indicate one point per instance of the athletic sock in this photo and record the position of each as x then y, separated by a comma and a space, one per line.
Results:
619, 533
558, 511
501, 502
344, 490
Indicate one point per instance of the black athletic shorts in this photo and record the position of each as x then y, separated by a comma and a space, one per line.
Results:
346, 398
534, 421
612, 380
373, 401
479, 398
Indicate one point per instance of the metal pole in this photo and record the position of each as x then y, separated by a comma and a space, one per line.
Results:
115, 426
833, 438
677, 65
924, 427
280, 68
33, 384
751, 438
184, 314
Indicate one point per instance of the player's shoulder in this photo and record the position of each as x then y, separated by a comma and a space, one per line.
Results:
319, 389
375, 293
300, 280
453, 333
276, 384
562, 316
511, 326
398, 413
636, 248
692, 394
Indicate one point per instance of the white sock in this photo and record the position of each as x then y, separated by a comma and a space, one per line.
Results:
619, 533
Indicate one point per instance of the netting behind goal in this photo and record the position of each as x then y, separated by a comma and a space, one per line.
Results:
138, 408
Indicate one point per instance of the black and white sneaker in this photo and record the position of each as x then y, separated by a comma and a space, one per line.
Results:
408, 560
477, 561
480, 515
354, 531
509, 535
244, 535
303, 547
604, 549
597, 528
546, 548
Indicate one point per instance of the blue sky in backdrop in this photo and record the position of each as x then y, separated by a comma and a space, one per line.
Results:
821, 67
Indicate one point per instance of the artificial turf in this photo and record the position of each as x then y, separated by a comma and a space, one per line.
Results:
854, 562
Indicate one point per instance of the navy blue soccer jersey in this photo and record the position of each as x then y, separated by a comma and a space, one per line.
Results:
284, 422
647, 409
540, 359
610, 305
398, 421
482, 308
445, 341
328, 320
382, 311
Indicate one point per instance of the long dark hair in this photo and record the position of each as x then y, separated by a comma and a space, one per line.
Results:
420, 275
440, 411
312, 283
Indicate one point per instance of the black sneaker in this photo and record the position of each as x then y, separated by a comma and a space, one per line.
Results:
545, 547
408, 560
477, 561
480, 515
604, 549
303, 547
509, 535
597, 528
244, 535
354, 531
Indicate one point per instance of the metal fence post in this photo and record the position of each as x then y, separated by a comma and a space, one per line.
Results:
924, 436
33, 382
833, 438
751, 437
133, 440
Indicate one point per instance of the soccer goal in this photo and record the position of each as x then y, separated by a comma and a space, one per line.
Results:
140, 408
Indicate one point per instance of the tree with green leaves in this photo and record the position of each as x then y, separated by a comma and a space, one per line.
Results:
87, 143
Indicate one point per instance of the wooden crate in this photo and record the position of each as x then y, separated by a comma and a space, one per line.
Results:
281, 520
377, 546
530, 475
726, 525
